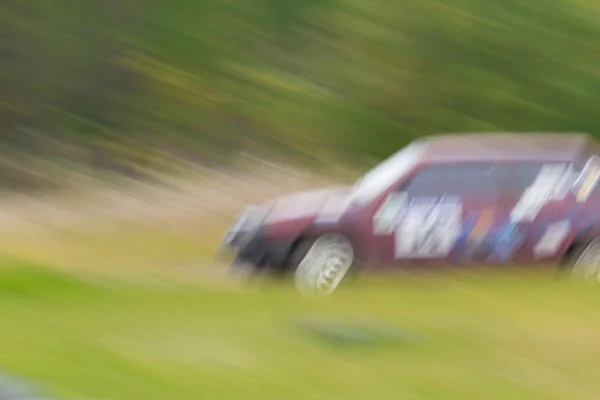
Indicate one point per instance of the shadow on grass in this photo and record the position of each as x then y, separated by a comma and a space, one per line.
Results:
355, 333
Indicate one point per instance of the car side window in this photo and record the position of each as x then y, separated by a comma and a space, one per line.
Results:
457, 180
527, 174
524, 175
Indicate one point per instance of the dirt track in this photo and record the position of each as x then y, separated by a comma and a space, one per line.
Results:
148, 233
201, 196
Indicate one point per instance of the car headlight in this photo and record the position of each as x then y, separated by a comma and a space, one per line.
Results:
234, 229
244, 224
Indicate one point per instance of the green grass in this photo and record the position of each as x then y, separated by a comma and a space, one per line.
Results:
471, 337
115, 244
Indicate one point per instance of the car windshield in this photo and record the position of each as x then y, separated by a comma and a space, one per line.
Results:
377, 180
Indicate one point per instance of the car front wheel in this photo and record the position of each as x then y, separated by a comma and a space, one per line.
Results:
322, 263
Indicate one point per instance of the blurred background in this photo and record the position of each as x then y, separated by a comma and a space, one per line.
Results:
124, 86
131, 132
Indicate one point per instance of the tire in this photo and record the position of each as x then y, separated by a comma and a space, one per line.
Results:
321, 264
585, 262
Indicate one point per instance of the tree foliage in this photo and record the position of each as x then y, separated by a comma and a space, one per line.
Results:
306, 77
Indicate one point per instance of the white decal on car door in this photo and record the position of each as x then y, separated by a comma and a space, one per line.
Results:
552, 183
428, 229
553, 237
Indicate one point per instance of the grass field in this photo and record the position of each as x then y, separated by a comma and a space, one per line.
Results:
128, 311
498, 336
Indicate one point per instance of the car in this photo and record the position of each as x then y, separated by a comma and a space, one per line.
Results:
447, 199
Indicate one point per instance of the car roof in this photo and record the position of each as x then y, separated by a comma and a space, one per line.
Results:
474, 147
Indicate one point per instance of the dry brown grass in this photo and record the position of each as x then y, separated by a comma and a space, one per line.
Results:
100, 227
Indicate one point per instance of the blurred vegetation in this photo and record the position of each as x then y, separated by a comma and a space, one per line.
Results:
122, 84
491, 336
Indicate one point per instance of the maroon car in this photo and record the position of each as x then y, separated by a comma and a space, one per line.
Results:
457, 199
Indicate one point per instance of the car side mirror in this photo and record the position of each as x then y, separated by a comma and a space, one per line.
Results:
387, 214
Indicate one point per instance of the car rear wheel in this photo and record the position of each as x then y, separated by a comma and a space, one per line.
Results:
322, 263
586, 263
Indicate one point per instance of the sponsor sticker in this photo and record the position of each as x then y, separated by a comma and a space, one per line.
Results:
552, 183
587, 179
429, 228
552, 239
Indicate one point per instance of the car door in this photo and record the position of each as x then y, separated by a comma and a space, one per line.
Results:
544, 205
443, 212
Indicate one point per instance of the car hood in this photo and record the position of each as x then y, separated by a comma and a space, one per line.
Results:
324, 205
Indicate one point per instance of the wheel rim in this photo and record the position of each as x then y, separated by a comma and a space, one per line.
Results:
587, 266
325, 265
